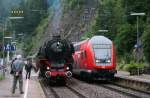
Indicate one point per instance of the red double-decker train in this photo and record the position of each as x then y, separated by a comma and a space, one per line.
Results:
95, 59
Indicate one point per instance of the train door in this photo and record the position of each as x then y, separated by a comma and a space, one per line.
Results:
83, 59
76, 56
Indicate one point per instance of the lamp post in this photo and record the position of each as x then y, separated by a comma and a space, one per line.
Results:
137, 26
4, 28
14, 43
137, 30
16, 17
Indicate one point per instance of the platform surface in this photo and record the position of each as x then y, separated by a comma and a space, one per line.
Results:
142, 77
32, 88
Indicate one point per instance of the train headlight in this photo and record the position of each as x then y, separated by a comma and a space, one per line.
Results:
48, 68
97, 61
108, 61
67, 68
89, 71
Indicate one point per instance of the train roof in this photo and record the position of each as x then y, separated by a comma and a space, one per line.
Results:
95, 40
79, 43
100, 40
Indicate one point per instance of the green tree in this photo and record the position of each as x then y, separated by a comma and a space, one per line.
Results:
146, 41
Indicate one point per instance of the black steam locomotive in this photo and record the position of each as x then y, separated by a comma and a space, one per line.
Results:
55, 60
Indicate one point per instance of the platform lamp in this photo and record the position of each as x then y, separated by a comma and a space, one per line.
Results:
14, 43
137, 26
16, 15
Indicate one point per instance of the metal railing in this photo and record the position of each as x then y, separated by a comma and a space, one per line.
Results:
139, 71
2, 70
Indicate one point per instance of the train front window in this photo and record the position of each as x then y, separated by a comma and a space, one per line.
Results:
55, 64
102, 53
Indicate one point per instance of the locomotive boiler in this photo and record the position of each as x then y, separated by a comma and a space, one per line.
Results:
54, 59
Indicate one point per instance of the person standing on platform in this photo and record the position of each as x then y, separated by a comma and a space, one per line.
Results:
28, 68
17, 68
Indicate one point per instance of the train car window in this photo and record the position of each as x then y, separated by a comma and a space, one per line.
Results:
84, 54
77, 48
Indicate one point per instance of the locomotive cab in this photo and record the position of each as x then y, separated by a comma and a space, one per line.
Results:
104, 58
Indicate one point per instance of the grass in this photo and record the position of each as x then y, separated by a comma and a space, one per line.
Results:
1, 77
39, 31
130, 66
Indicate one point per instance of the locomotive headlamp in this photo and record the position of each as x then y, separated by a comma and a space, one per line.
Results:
67, 68
58, 43
108, 61
97, 61
89, 71
48, 68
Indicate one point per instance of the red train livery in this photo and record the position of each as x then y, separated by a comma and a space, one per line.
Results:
57, 72
95, 59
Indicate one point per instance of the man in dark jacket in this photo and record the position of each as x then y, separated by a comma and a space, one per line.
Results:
28, 68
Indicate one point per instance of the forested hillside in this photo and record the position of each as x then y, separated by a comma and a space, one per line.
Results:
6, 5
115, 16
80, 19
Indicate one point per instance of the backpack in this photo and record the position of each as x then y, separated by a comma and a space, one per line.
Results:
11, 71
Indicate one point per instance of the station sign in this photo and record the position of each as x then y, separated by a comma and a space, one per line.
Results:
9, 47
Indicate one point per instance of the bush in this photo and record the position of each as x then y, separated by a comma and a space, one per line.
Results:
146, 41
1, 77
120, 66
133, 66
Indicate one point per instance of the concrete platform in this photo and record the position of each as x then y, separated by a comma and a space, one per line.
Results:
142, 77
32, 88
140, 83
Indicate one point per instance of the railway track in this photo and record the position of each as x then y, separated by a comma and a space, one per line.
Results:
60, 91
76, 92
80, 89
125, 91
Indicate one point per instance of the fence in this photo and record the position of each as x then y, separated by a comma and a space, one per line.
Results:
2, 70
138, 71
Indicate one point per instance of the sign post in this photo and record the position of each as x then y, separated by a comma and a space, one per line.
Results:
9, 48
